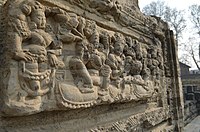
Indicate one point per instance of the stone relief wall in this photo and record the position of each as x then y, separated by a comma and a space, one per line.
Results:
65, 55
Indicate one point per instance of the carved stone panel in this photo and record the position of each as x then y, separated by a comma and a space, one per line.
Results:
66, 55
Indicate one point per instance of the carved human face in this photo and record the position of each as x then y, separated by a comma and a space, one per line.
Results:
89, 28
118, 49
128, 63
129, 41
39, 19
80, 49
74, 22
154, 53
144, 52
88, 32
82, 22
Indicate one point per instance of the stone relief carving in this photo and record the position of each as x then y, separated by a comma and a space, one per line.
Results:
137, 123
62, 60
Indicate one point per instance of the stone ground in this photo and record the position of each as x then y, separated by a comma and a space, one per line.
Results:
193, 126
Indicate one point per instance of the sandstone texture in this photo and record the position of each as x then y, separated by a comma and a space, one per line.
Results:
87, 65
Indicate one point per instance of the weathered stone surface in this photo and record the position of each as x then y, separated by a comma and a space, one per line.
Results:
102, 62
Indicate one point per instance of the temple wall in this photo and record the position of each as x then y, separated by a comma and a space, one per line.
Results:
87, 66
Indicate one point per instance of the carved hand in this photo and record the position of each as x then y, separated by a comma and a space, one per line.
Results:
86, 56
23, 56
37, 49
53, 60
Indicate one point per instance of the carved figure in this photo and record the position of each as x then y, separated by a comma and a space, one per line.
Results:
153, 65
96, 63
65, 60
115, 59
129, 48
38, 47
67, 28
102, 6
81, 25
79, 70
138, 50
81, 92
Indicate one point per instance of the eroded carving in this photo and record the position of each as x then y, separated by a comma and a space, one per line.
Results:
138, 122
64, 61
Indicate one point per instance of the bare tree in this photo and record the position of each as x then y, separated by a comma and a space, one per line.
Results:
176, 20
195, 17
195, 20
155, 8
184, 58
191, 49
174, 17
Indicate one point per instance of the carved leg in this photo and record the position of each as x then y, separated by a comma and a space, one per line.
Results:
106, 71
79, 70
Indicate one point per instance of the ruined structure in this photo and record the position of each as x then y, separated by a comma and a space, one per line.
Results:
87, 65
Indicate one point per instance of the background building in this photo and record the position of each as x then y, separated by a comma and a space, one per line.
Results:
191, 91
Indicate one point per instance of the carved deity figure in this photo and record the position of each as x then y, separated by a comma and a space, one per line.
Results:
70, 30
92, 35
115, 59
129, 47
79, 70
137, 73
58, 59
102, 6
96, 64
67, 28
153, 62
34, 49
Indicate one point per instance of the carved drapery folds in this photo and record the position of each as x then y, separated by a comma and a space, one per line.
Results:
61, 60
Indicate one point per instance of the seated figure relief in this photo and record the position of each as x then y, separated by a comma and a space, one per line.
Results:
65, 61
35, 53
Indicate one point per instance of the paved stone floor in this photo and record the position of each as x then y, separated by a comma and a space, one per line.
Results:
193, 126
